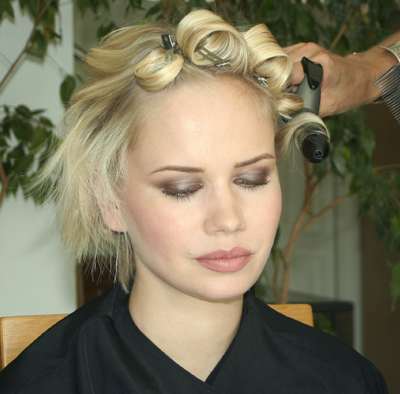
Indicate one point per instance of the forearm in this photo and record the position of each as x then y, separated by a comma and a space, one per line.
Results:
378, 60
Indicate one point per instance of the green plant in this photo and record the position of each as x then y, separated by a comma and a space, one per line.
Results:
345, 26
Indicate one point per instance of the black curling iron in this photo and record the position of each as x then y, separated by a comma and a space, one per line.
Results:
313, 137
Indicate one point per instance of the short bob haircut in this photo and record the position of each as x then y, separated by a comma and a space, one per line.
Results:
102, 121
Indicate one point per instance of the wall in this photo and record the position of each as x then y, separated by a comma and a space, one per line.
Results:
36, 274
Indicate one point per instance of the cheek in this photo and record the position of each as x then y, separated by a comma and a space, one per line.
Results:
154, 229
269, 212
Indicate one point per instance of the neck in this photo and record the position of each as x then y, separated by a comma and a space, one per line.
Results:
182, 325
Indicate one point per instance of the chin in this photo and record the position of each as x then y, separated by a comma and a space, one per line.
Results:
224, 291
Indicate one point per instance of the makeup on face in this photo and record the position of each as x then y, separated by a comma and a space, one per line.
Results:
183, 188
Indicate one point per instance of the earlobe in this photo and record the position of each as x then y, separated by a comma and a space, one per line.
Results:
112, 217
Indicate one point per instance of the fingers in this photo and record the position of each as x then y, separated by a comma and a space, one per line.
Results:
296, 52
297, 74
309, 49
293, 47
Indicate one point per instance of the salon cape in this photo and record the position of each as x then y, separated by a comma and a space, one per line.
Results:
98, 349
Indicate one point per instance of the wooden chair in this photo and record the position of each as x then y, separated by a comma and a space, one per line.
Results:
17, 332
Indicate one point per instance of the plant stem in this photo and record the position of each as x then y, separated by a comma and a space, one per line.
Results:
300, 225
335, 41
295, 233
343, 28
332, 205
13, 67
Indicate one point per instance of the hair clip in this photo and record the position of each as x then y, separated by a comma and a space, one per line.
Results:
261, 80
168, 41
219, 62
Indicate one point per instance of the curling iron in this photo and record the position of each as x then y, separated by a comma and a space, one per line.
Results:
313, 137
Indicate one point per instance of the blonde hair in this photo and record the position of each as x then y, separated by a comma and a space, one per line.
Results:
103, 119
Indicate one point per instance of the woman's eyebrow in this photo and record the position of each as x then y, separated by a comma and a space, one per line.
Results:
197, 169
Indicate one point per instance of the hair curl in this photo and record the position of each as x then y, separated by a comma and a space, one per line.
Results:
103, 118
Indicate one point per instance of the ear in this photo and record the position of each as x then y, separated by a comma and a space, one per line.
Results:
109, 208
112, 216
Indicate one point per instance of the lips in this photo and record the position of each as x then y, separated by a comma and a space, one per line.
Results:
223, 254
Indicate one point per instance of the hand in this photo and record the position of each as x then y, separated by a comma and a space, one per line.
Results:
348, 81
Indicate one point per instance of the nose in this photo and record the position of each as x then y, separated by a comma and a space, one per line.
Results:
224, 212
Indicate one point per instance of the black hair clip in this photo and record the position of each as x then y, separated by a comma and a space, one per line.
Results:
168, 41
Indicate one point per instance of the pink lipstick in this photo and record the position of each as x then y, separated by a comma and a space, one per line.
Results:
225, 261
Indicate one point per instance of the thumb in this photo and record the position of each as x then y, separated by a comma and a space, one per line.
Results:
297, 74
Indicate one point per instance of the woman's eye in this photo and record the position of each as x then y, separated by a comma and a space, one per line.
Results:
245, 183
185, 194
180, 194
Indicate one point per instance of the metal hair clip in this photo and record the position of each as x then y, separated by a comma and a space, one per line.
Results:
219, 62
261, 80
168, 41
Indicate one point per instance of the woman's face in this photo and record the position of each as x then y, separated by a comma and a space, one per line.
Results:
174, 216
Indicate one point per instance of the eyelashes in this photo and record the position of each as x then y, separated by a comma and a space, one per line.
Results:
186, 194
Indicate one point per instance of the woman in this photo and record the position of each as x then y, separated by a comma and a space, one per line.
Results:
169, 167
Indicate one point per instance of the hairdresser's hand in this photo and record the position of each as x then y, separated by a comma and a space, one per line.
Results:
348, 81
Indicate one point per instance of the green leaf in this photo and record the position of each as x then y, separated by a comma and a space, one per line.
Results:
24, 184
6, 126
3, 141
22, 129
6, 9
155, 9
24, 111
22, 164
82, 6
67, 88
105, 29
45, 122
198, 3
38, 111
40, 136
48, 20
30, 5
38, 47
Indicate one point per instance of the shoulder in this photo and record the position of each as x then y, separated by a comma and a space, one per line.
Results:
324, 351
53, 355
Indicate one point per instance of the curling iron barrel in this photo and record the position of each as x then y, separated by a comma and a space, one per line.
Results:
312, 137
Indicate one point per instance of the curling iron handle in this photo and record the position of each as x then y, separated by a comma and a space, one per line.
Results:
310, 90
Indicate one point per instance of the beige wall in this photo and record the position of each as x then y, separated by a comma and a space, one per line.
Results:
36, 274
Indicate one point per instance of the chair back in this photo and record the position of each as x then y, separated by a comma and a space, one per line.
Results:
301, 312
18, 332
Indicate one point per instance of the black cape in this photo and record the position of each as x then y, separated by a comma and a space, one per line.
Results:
98, 349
